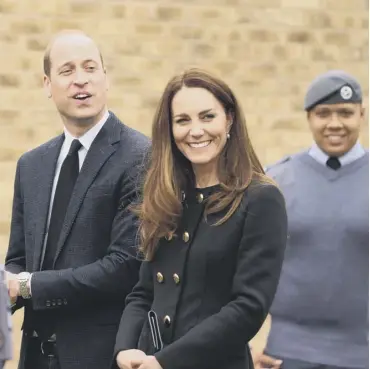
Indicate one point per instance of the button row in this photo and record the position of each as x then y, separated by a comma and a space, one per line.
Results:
185, 237
160, 278
200, 197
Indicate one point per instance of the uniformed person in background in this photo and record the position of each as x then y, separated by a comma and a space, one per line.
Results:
6, 345
213, 231
320, 312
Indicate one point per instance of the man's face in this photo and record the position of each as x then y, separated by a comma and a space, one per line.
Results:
77, 82
336, 127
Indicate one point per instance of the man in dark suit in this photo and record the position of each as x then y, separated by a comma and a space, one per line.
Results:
72, 257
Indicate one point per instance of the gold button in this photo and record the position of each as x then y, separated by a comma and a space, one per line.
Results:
176, 278
160, 277
200, 198
167, 320
169, 237
186, 236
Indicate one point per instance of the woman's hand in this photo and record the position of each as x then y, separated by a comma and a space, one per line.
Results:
150, 362
130, 359
262, 361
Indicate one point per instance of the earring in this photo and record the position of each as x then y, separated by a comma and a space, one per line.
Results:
228, 136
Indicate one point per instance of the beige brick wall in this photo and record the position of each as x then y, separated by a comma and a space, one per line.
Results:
267, 50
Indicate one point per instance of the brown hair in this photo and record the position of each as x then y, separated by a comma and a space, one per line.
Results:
170, 173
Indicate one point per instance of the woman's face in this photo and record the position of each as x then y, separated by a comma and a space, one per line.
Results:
199, 125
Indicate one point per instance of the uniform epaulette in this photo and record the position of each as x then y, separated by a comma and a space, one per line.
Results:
283, 160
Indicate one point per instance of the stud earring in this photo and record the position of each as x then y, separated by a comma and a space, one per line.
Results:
228, 136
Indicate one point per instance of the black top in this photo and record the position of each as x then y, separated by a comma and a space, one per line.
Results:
211, 287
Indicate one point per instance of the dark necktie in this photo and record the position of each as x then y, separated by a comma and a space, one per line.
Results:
333, 163
66, 181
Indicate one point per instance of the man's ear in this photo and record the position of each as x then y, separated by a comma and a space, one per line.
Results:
47, 86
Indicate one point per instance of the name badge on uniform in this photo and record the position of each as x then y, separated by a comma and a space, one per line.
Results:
154, 328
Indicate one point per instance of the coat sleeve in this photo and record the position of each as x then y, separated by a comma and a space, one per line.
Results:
112, 277
260, 258
15, 261
138, 303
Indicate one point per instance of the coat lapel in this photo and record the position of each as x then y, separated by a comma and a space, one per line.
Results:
100, 151
44, 186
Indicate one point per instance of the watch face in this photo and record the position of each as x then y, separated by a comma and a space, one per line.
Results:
23, 288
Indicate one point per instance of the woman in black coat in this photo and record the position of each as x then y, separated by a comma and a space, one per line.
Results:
213, 232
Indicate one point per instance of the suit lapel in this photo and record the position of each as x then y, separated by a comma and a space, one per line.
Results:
44, 186
100, 151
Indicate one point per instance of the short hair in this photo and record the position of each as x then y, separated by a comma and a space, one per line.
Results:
47, 59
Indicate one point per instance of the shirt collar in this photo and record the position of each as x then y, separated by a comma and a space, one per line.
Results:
355, 153
88, 137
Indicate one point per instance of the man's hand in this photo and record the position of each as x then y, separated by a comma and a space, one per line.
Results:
262, 361
130, 359
150, 363
12, 284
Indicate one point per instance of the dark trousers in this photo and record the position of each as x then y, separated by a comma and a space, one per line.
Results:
36, 359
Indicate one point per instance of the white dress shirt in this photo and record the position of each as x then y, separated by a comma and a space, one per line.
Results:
355, 153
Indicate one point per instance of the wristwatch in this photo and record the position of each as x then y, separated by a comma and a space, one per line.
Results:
23, 279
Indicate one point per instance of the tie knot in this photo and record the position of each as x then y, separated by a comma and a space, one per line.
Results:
75, 146
333, 163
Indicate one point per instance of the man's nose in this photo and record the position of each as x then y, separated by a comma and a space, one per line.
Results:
334, 121
81, 78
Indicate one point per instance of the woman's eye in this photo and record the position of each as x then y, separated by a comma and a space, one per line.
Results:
208, 116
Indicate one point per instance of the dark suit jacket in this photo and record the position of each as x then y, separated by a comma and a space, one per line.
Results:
96, 264
210, 286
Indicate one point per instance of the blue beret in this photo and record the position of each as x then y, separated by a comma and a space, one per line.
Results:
333, 87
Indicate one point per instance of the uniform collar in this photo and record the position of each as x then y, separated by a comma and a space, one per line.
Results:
356, 152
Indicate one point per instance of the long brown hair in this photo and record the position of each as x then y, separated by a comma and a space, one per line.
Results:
169, 172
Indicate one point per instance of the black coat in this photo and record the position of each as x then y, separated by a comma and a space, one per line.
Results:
96, 265
210, 286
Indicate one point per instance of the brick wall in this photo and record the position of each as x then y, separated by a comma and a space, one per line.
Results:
267, 50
